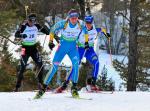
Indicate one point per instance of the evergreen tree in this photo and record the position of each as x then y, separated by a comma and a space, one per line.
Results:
104, 83
8, 19
139, 48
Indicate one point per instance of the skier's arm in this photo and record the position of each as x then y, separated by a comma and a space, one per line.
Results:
56, 38
107, 35
58, 26
43, 29
85, 31
86, 36
19, 32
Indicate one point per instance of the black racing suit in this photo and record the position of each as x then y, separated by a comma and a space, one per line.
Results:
29, 51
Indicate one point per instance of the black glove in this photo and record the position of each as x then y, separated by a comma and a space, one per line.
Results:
86, 45
24, 36
57, 38
51, 45
108, 35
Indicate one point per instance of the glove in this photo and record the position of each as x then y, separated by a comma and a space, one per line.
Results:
108, 35
57, 38
24, 36
86, 45
51, 45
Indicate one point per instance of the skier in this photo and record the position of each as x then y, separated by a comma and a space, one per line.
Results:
89, 54
70, 30
28, 34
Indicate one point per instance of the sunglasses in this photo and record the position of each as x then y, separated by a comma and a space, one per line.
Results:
32, 20
88, 22
73, 15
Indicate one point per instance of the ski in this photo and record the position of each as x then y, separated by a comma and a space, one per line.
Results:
101, 92
79, 98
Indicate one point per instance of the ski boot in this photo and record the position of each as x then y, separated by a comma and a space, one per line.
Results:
91, 85
74, 91
16, 89
94, 88
62, 88
18, 86
41, 92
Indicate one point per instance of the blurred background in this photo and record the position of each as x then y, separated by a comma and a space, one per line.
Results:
127, 21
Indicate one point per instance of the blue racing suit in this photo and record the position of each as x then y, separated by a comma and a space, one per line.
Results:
68, 45
89, 54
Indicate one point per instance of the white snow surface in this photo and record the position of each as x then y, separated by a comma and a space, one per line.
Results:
118, 101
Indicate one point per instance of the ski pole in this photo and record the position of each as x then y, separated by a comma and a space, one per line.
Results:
44, 40
43, 63
110, 51
104, 32
36, 74
84, 53
19, 42
26, 10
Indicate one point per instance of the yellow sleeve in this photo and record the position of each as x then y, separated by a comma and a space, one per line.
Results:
51, 36
104, 30
86, 37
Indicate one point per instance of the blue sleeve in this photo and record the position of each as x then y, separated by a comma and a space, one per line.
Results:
58, 26
98, 29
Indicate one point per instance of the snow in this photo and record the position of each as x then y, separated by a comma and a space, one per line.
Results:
118, 101
105, 59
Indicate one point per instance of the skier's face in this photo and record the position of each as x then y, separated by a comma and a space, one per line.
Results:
88, 25
31, 22
73, 20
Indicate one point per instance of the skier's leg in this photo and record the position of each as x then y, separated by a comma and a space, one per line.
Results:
59, 55
23, 63
93, 59
82, 53
64, 85
68, 78
74, 56
38, 60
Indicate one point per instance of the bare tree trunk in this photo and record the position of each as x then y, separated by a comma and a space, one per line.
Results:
123, 35
133, 32
62, 9
112, 24
82, 7
88, 10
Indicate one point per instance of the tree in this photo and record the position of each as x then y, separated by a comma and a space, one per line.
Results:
8, 19
105, 83
115, 19
82, 8
84, 72
136, 71
133, 32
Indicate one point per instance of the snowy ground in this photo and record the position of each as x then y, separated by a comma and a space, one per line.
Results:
118, 101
